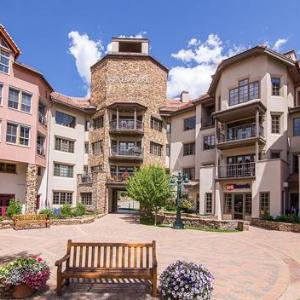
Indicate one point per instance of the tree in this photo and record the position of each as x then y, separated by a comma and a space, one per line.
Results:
150, 186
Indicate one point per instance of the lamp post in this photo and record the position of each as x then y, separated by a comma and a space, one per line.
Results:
179, 180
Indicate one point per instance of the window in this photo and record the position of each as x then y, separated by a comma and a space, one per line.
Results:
40, 145
11, 133
248, 204
4, 61
96, 168
86, 147
62, 170
87, 125
8, 168
85, 169
156, 124
86, 198
227, 203
189, 123
65, 119
98, 122
60, 198
97, 148
264, 200
26, 102
188, 149
168, 150
296, 126
155, 148
168, 128
42, 113
208, 203
189, 173
275, 123
244, 92
275, 86
64, 145
208, 142
1, 88
19, 100
13, 98
295, 164
17, 134
275, 154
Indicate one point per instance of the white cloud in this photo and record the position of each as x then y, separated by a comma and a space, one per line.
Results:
200, 60
279, 43
86, 52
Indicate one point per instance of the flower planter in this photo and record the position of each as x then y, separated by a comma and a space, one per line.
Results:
22, 291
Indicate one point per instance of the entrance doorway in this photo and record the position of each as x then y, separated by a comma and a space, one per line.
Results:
4, 202
120, 203
238, 206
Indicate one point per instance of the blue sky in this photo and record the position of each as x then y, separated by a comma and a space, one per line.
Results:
199, 34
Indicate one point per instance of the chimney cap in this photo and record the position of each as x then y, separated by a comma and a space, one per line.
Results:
184, 95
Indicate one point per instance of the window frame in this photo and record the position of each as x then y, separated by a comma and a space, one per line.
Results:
156, 124
228, 203
18, 136
6, 57
156, 149
275, 90
58, 172
66, 199
63, 115
19, 104
209, 142
261, 199
68, 143
190, 172
189, 123
84, 201
189, 149
6, 168
1, 93
208, 197
275, 123
296, 119
98, 122
98, 145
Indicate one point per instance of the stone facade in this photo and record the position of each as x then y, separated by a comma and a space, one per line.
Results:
271, 225
100, 192
31, 188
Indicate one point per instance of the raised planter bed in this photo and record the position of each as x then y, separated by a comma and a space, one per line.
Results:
198, 221
279, 226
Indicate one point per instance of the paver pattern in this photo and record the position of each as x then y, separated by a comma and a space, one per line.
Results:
257, 264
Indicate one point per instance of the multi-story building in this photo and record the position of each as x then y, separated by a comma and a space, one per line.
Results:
238, 144
245, 156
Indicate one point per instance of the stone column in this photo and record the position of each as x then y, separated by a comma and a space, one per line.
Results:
100, 195
31, 186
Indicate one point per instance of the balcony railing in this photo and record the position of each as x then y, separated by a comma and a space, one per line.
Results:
40, 150
117, 176
42, 118
237, 170
240, 133
207, 123
85, 178
135, 151
126, 124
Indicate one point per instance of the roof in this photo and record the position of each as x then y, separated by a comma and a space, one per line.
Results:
260, 49
130, 55
9, 40
174, 106
31, 69
80, 103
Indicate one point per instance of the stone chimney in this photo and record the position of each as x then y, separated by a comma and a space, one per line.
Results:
184, 96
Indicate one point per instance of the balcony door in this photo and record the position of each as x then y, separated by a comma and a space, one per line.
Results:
240, 166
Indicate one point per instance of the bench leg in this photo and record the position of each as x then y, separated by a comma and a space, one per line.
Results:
154, 285
59, 283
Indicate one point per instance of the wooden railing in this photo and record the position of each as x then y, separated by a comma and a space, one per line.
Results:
237, 170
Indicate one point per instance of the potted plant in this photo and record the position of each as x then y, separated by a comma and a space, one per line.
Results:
21, 277
186, 281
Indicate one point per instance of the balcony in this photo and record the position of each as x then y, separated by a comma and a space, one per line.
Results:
119, 177
130, 153
40, 149
242, 170
126, 126
42, 118
242, 135
85, 179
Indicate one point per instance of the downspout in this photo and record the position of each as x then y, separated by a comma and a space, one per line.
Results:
48, 150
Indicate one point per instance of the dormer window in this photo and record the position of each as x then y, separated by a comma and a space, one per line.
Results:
245, 91
4, 61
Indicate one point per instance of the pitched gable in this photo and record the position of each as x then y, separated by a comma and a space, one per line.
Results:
6, 41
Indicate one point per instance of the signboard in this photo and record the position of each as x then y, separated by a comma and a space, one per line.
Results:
235, 186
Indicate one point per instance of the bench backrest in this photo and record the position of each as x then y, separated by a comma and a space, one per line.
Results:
30, 217
111, 255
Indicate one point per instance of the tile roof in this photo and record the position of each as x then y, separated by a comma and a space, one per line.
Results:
10, 41
75, 102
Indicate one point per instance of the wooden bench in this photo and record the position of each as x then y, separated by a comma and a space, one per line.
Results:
31, 221
107, 260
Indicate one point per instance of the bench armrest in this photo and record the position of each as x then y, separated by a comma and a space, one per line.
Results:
63, 259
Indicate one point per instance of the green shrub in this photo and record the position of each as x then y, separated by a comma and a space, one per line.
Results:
268, 218
14, 208
288, 219
186, 204
79, 210
47, 211
66, 210
1, 219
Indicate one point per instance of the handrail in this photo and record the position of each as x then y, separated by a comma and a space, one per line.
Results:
126, 124
237, 170
130, 151
85, 178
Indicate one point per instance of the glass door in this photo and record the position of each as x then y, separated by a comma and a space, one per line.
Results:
238, 206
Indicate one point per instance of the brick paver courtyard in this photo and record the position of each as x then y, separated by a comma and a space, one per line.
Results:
257, 264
